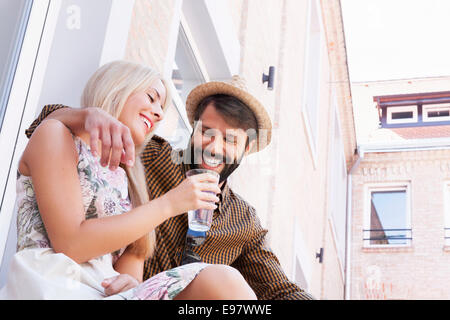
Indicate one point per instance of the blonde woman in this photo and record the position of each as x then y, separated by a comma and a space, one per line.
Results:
84, 231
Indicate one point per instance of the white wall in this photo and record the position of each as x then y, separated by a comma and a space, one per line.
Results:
76, 50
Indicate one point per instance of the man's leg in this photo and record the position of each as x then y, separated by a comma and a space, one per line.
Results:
217, 282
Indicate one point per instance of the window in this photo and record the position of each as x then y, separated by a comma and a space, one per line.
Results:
188, 71
203, 46
387, 220
436, 112
302, 264
414, 109
25, 41
311, 88
14, 17
405, 114
338, 186
447, 213
300, 279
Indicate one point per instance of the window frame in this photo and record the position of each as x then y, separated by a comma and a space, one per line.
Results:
410, 108
338, 174
313, 140
190, 15
13, 61
301, 257
383, 187
181, 24
447, 213
435, 107
179, 104
28, 79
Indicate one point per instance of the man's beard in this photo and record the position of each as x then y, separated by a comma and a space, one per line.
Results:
196, 157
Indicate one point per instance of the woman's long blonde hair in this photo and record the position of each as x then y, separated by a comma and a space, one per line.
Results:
109, 88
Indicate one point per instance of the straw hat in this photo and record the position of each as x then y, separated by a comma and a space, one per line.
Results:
235, 87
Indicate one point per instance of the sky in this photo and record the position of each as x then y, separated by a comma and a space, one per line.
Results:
397, 39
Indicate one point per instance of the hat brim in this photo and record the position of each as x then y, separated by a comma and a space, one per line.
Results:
216, 87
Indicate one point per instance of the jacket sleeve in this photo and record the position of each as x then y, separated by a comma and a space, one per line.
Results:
44, 113
262, 270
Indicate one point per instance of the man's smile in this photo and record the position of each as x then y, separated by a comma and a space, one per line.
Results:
212, 162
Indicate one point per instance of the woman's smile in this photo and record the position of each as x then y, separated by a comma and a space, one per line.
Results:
148, 123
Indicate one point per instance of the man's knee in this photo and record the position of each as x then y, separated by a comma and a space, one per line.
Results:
227, 282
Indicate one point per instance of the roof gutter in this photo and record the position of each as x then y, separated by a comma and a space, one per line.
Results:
407, 145
348, 226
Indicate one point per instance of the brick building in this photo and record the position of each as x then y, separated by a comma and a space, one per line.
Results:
400, 197
298, 184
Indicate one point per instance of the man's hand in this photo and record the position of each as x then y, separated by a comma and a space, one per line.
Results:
116, 141
120, 283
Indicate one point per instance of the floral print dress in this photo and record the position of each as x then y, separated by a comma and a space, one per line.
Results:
37, 272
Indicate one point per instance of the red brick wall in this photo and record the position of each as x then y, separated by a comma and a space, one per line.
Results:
421, 270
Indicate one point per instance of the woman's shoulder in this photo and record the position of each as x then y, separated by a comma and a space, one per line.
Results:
51, 131
51, 139
51, 126
52, 136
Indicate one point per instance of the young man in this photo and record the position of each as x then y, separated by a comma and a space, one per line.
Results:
228, 123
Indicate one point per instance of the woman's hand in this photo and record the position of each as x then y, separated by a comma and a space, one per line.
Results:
195, 192
120, 283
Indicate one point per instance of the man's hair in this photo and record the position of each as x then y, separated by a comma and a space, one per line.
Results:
234, 111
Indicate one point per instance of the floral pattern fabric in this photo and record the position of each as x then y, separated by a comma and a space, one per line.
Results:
104, 193
167, 284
